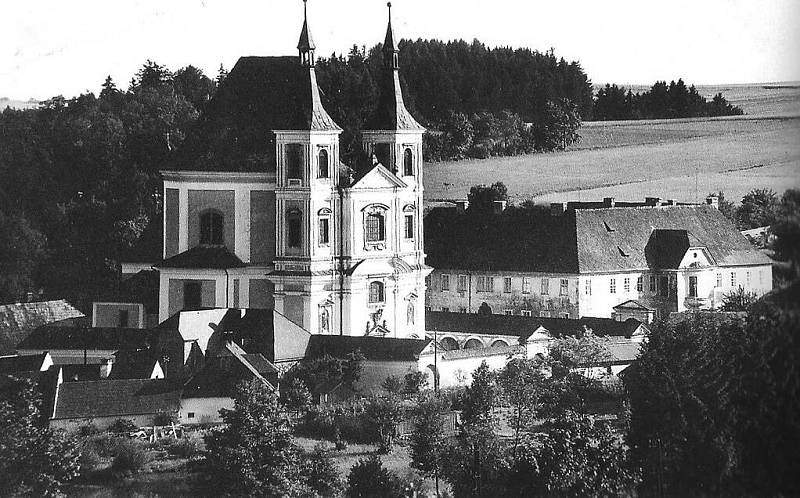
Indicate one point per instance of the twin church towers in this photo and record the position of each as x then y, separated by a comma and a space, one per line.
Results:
259, 211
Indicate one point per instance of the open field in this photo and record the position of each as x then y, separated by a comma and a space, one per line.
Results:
634, 159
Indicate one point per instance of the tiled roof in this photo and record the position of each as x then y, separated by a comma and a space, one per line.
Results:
259, 96
457, 354
19, 320
621, 350
115, 398
134, 364
524, 326
219, 376
373, 348
218, 257
50, 337
582, 240
16, 363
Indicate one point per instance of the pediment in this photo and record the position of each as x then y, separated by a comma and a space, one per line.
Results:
377, 178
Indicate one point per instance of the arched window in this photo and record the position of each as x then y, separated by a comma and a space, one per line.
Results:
410, 314
324, 320
294, 228
322, 166
294, 156
448, 344
473, 344
408, 162
324, 215
376, 292
375, 227
211, 228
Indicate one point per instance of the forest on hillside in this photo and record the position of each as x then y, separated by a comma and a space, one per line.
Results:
80, 176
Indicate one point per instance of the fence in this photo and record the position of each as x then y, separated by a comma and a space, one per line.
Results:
452, 421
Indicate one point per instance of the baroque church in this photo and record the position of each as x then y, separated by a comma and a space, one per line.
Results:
260, 212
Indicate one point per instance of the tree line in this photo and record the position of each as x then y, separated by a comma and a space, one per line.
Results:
662, 101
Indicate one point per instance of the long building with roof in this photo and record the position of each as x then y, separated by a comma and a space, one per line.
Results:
624, 261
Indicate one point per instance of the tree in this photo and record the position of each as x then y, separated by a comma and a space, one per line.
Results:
322, 474
295, 396
786, 232
384, 414
758, 209
415, 382
738, 300
572, 456
36, 460
369, 478
428, 438
481, 198
523, 384
21, 247
477, 464
480, 397
254, 453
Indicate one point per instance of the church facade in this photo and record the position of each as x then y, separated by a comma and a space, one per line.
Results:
261, 213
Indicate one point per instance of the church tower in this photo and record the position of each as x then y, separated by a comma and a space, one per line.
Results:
305, 192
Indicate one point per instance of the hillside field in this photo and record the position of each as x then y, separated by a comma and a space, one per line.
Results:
680, 159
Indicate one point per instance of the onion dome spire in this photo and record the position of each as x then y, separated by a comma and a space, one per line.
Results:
306, 44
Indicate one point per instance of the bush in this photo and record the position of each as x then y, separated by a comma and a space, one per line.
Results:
185, 448
130, 457
89, 459
369, 478
104, 444
88, 429
165, 418
122, 426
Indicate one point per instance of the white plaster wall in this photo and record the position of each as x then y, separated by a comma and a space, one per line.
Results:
206, 410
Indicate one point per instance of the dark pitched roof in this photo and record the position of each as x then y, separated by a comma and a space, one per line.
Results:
391, 112
259, 96
19, 320
524, 326
601, 233
373, 348
203, 257
17, 363
219, 376
115, 398
51, 337
581, 240
80, 373
134, 364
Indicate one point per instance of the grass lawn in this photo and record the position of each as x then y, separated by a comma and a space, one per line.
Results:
634, 159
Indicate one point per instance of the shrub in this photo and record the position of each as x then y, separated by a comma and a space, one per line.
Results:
88, 429
165, 418
89, 459
130, 457
104, 444
185, 447
369, 478
122, 426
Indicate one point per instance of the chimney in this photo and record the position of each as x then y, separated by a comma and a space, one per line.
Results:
105, 368
713, 201
498, 206
672, 202
609, 202
462, 205
652, 201
557, 208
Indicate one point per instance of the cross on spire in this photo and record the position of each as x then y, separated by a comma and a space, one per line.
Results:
306, 44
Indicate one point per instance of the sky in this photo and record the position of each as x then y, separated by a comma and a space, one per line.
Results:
57, 47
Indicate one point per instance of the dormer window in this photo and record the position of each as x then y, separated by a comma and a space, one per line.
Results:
322, 164
294, 157
211, 228
408, 162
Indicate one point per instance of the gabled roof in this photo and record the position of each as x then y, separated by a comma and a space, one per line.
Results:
134, 364
632, 304
259, 96
232, 365
49, 338
215, 257
373, 348
20, 319
27, 363
524, 326
376, 177
582, 240
115, 398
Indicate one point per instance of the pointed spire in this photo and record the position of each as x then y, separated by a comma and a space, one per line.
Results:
306, 44
390, 50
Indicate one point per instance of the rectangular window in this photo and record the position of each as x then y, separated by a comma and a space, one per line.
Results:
588, 289
375, 227
445, 282
124, 318
462, 283
507, 285
192, 295
409, 226
190, 415
747, 279
719, 279
526, 313
653, 285
564, 288
545, 286
324, 231
612, 286
294, 158
462, 309
692, 286
508, 312
544, 314
639, 284
761, 277
445, 309
526, 285
626, 284
733, 279
663, 286
485, 284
